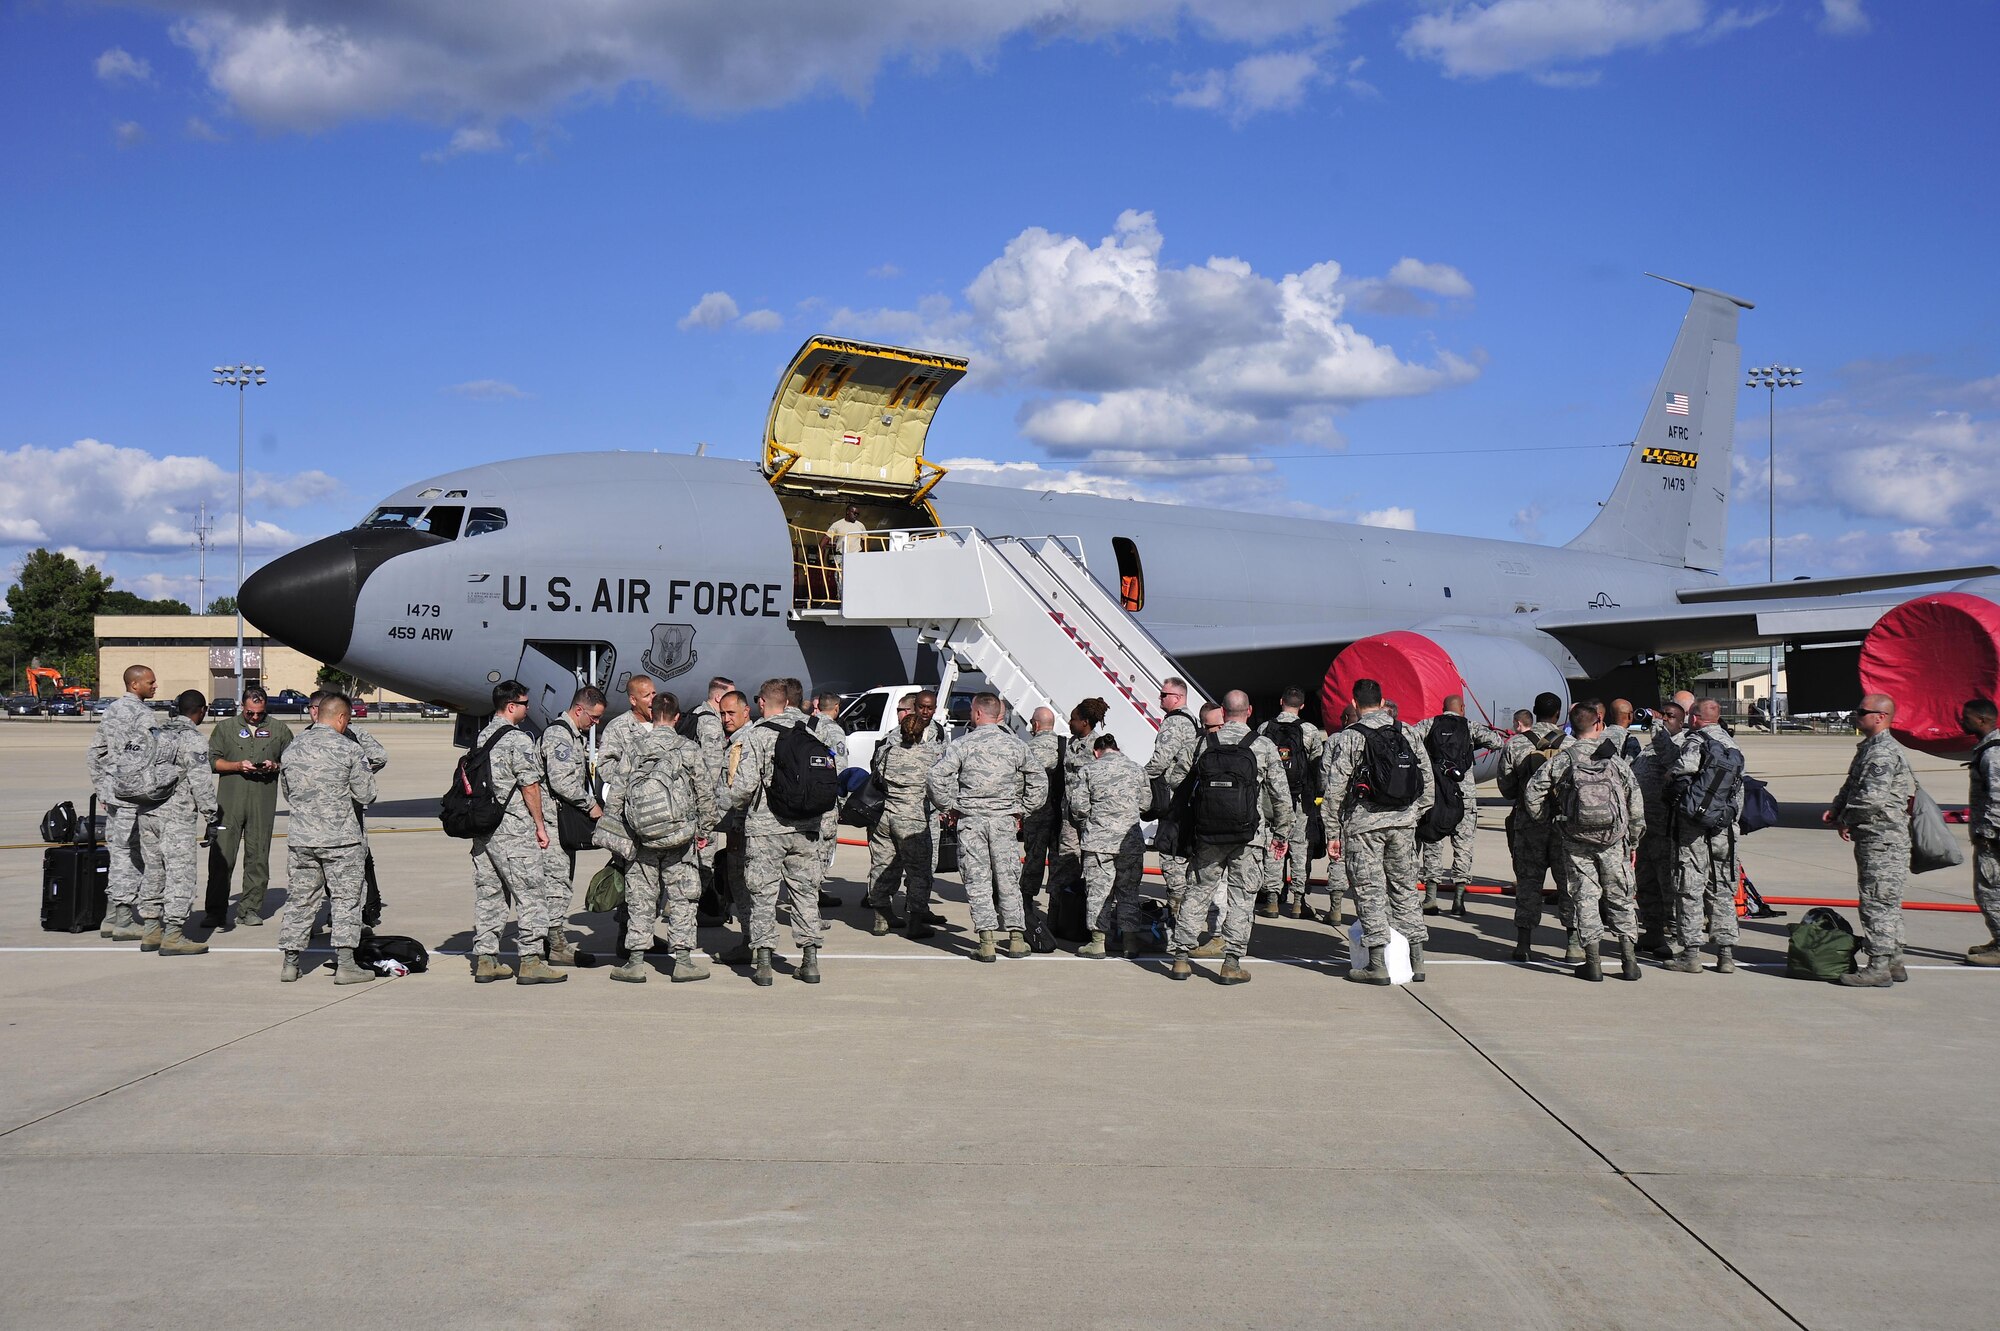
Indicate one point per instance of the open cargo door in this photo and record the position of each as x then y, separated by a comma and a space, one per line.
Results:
850, 418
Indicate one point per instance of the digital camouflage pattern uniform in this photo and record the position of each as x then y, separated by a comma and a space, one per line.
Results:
1705, 871
565, 778
777, 852
989, 778
170, 830
126, 721
1655, 857
249, 810
377, 758
1173, 755
1296, 867
714, 745
1448, 863
1038, 825
1596, 874
899, 845
831, 735
1106, 800
1532, 842
1066, 866
659, 875
1378, 846
327, 782
1983, 813
1236, 869
1874, 806
507, 865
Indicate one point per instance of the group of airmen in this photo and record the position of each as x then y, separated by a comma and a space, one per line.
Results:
1597, 807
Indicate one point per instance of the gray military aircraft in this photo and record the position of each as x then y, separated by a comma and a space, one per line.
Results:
591, 566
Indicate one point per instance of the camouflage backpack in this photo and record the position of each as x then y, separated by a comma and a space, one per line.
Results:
143, 772
1593, 803
659, 806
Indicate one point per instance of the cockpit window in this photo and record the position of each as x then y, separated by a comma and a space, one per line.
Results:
484, 520
443, 520
392, 517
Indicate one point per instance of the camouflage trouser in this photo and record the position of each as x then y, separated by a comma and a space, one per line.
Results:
899, 855
1235, 871
788, 860
504, 871
1986, 882
314, 874
1882, 862
1653, 885
1037, 834
1448, 863
989, 864
1537, 856
167, 837
1111, 890
558, 882
829, 837
1382, 869
1705, 884
1066, 865
1296, 867
673, 876
121, 840
1600, 873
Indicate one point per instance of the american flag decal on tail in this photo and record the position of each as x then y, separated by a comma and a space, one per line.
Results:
1677, 404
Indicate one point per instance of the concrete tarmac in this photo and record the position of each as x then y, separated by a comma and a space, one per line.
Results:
921, 1140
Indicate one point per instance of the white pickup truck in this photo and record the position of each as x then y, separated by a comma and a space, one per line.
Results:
869, 716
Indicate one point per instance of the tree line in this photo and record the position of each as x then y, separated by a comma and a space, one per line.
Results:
51, 612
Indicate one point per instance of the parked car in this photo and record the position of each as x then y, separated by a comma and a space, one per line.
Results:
24, 704
433, 711
360, 709
287, 702
61, 707
97, 706
222, 707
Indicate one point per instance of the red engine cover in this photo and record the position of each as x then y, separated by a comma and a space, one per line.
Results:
1414, 672
1931, 655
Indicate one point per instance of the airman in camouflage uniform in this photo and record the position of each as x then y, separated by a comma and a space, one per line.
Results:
326, 781
1106, 800
1286, 881
1378, 844
1239, 869
780, 852
831, 735
899, 845
1978, 719
127, 720
1448, 863
1038, 825
170, 830
1086, 723
1531, 837
714, 744
657, 874
1596, 874
1173, 755
507, 864
565, 759
1705, 874
984, 784
1655, 857
1873, 811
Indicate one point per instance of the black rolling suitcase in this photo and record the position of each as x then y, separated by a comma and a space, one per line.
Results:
74, 878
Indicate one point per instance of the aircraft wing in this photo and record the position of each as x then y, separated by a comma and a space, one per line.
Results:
1718, 625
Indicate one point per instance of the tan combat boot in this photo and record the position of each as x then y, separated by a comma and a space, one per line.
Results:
175, 943
986, 947
1017, 944
346, 970
149, 941
536, 971
562, 952
1182, 968
1095, 947
487, 968
1212, 948
130, 928
289, 971
1232, 972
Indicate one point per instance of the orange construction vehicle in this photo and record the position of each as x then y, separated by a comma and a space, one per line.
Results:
37, 675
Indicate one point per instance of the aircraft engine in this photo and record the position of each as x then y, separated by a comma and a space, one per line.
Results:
1932, 654
1495, 674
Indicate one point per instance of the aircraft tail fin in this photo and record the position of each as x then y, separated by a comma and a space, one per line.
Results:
1671, 504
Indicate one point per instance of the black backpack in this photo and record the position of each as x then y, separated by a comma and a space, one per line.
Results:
688, 726
1388, 777
1444, 816
804, 783
468, 809
1708, 798
392, 947
1450, 746
1224, 806
59, 824
1290, 737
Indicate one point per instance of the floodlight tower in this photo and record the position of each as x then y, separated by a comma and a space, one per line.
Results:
239, 377
1771, 378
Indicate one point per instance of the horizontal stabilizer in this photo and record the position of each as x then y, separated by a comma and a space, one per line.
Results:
1861, 582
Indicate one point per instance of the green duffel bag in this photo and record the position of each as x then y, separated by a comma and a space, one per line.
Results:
607, 889
1822, 946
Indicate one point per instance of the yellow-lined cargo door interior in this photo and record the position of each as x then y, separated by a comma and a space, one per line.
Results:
851, 418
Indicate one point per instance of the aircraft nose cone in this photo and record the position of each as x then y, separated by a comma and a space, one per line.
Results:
306, 599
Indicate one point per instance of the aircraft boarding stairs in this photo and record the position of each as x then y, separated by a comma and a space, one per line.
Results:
1023, 611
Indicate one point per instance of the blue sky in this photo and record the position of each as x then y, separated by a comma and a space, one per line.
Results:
1252, 255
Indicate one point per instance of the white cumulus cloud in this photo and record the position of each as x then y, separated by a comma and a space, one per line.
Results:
1267, 81
469, 139
1844, 18
119, 65
128, 134
761, 321
490, 390
1537, 36
714, 310
1400, 519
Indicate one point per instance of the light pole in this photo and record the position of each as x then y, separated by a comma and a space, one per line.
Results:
1771, 378
239, 377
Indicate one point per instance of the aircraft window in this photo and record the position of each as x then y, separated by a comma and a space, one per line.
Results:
392, 517
1131, 575
864, 713
484, 520
444, 521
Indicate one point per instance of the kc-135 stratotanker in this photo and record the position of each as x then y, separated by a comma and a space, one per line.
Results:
594, 566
